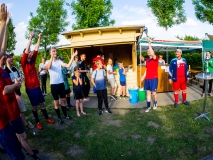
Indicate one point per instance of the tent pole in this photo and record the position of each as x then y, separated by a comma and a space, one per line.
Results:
167, 57
202, 60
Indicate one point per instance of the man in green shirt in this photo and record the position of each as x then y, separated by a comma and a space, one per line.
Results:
65, 75
208, 59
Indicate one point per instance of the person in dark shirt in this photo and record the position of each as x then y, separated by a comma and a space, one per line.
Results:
85, 80
78, 96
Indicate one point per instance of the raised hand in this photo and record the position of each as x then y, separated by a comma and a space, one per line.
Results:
76, 53
40, 35
3, 13
32, 35
8, 18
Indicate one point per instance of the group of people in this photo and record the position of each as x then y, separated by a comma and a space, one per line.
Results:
178, 77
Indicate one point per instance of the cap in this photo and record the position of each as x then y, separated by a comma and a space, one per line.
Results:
61, 58
10, 54
179, 50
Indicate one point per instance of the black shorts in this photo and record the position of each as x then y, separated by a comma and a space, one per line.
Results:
68, 91
78, 94
17, 126
58, 91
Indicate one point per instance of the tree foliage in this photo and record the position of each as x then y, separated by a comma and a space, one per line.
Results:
168, 12
50, 21
204, 10
11, 41
91, 13
188, 38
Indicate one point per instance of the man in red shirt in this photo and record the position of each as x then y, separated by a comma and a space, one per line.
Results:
151, 77
8, 139
179, 75
97, 58
32, 83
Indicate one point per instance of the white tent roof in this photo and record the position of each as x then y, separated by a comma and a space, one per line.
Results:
166, 36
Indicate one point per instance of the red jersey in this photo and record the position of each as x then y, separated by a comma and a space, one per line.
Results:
9, 99
180, 68
152, 68
4, 115
30, 73
96, 59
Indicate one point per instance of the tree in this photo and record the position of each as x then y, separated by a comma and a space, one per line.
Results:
188, 38
50, 21
168, 12
11, 41
91, 13
204, 10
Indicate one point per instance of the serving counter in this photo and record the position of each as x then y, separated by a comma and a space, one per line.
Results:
163, 82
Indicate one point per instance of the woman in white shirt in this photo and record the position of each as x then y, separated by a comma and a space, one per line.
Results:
111, 78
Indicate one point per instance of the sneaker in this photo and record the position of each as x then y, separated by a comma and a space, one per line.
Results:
112, 97
155, 106
125, 97
115, 97
29, 125
60, 121
186, 103
70, 106
35, 151
108, 111
68, 117
50, 121
121, 97
39, 126
176, 105
148, 109
100, 112
34, 157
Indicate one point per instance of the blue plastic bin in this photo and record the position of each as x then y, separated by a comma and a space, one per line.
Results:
133, 96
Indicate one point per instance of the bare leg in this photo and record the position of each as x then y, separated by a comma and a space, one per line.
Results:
154, 96
77, 107
124, 90
81, 107
114, 90
23, 140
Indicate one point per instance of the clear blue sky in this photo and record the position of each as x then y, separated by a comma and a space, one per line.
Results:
125, 12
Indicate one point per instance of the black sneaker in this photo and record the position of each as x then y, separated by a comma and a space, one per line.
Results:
60, 121
68, 117
35, 157
113, 97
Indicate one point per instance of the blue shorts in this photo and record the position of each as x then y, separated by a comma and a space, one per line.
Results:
123, 83
10, 143
17, 126
151, 85
35, 95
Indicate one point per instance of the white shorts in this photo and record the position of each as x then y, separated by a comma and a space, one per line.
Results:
112, 82
20, 103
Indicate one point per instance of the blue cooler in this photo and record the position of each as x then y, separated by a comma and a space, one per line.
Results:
133, 96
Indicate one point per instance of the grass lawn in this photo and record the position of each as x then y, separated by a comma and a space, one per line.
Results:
167, 133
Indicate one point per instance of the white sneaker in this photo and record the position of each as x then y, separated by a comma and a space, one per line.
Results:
147, 110
155, 106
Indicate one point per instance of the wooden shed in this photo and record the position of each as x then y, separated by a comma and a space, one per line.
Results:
116, 42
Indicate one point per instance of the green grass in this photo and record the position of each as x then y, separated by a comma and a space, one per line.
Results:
125, 134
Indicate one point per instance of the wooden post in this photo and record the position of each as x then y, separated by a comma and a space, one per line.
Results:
72, 50
134, 57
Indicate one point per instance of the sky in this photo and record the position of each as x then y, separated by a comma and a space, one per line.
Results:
125, 12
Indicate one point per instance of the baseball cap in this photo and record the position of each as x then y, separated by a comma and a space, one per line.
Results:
10, 54
179, 50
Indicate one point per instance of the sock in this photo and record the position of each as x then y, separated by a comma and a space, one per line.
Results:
68, 100
184, 97
148, 104
176, 98
44, 111
64, 109
35, 115
155, 102
58, 112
